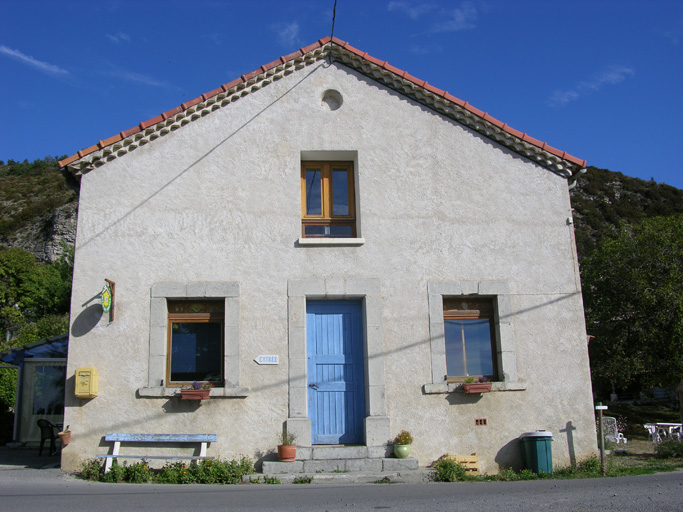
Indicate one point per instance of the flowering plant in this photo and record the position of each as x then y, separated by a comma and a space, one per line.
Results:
201, 385
403, 437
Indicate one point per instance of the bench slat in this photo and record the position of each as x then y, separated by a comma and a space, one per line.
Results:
161, 438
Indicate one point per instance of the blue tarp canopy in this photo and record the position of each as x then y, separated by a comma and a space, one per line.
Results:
49, 348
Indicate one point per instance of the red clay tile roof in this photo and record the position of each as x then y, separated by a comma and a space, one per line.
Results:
343, 52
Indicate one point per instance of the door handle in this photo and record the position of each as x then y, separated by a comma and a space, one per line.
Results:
313, 386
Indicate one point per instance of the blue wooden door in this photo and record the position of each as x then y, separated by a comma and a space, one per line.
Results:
336, 391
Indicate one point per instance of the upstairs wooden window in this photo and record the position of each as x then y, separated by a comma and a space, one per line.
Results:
327, 200
470, 338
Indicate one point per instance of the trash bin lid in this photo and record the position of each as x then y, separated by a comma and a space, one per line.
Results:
538, 433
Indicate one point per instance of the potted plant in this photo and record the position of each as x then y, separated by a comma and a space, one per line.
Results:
481, 386
402, 444
65, 436
286, 450
197, 391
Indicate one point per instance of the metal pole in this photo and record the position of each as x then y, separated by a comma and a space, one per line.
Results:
600, 408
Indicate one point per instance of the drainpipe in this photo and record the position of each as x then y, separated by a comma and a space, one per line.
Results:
18, 409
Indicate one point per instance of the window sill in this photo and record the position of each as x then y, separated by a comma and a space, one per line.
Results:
163, 392
456, 387
330, 241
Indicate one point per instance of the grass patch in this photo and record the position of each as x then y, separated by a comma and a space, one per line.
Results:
450, 471
303, 480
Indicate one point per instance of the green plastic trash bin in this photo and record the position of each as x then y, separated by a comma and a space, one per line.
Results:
538, 452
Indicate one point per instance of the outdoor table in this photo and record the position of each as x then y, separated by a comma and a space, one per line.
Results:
669, 430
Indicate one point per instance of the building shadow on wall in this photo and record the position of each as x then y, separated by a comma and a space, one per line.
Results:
510, 455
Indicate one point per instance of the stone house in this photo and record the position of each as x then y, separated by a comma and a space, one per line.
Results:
372, 238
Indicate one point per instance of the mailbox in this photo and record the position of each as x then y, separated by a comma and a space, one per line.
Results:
86, 383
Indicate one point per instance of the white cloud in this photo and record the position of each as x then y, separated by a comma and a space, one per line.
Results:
44, 67
414, 11
461, 18
612, 75
139, 78
420, 49
287, 33
214, 37
119, 38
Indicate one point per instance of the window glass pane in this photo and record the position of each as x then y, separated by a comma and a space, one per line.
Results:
468, 347
340, 192
314, 230
48, 390
340, 231
196, 351
478, 347
455, 360
313, 197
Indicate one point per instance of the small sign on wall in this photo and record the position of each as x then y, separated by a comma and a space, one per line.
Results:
267, 360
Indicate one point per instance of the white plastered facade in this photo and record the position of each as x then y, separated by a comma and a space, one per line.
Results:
213, 209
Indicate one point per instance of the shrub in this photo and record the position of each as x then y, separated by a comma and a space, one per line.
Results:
92, 469
211, 471
177, 473
137, 473
447, 470
588, 468
669, 449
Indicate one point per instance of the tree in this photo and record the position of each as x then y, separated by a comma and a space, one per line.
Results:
30, 290
633, 293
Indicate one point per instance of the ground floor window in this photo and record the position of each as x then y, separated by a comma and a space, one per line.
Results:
471, 333
195, 341
470, 338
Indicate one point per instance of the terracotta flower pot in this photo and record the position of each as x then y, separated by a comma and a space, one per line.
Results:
65, 437
477, 387
286, 452
195, 394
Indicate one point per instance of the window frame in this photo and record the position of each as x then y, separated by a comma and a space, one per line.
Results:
226, 291
194, 317
327, 217
487, 312
499, 293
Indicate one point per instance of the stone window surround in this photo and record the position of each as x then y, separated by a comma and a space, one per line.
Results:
158, 335
499, 292
376, 422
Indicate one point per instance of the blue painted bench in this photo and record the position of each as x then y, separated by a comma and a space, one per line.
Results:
117, 439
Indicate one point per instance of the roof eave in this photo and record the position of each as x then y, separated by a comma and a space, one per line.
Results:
441, 101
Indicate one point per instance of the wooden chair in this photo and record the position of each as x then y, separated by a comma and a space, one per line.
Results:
47, 431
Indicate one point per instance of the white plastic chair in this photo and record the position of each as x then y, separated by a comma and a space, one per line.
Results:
653, 433
609, 424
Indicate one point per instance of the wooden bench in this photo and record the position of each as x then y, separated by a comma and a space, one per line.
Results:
117, 439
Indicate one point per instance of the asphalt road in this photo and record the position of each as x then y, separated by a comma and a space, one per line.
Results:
52, 491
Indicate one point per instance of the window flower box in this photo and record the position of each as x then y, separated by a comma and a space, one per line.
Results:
195, 394
477, 387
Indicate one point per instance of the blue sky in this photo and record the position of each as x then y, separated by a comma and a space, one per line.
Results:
600, 79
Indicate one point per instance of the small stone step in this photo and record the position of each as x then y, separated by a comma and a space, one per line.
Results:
340, 466
417, 476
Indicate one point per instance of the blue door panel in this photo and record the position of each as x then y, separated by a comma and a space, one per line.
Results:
336, 392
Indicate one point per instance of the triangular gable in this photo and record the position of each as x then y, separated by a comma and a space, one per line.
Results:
338, 51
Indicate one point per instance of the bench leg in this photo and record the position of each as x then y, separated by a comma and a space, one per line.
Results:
109, 460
